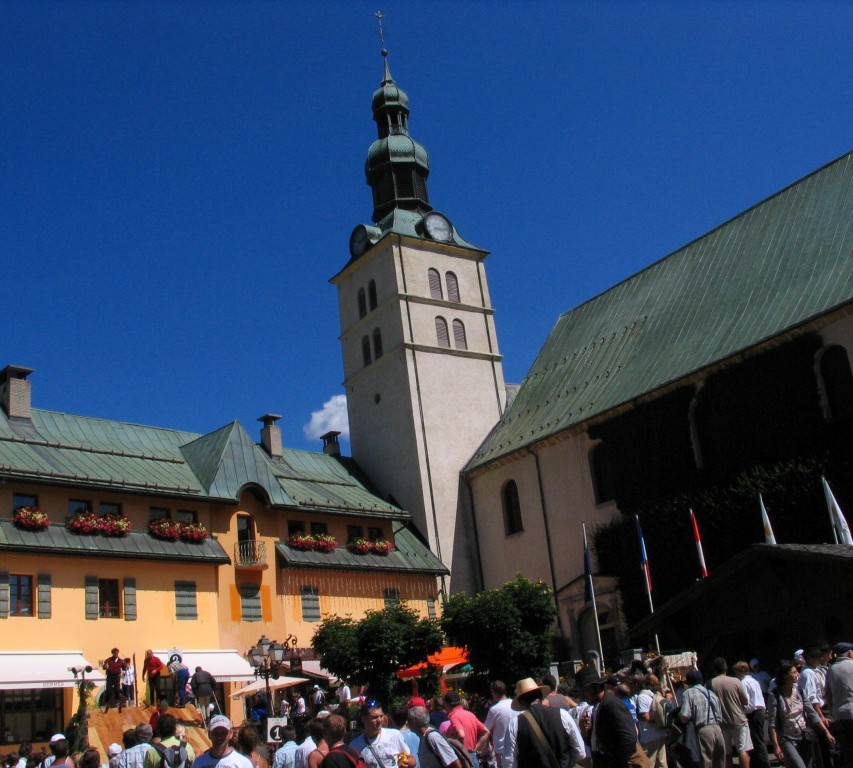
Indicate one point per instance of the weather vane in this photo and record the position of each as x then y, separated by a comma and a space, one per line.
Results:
379, 16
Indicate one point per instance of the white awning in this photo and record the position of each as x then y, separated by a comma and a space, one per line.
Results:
260, 685
225, 665
43, 669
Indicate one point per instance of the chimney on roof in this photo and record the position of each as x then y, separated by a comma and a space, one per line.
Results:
271, 434
15, 395
331, 446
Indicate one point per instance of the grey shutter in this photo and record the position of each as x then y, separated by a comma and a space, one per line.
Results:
4, 594
391, 595
310, 603
250, 602
431, 607
91, 597
186, 605
130, 599
44, 595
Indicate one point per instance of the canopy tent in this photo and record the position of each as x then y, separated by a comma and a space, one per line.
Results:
261, 685
225, 665
446, 658
44, 669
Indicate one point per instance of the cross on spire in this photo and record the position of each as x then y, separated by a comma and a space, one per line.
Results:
379, 16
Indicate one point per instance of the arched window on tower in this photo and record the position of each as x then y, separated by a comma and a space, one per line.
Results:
511, 508
365, 350
837, 382
459, 339
371, 294
377, 343
441, 336
602, 474
452, 287
362, 303
434, 284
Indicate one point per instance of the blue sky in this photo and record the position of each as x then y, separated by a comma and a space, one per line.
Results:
179, 179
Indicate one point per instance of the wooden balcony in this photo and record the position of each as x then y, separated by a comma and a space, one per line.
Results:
250, 555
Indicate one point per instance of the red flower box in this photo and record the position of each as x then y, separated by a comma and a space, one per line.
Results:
360, 546
30, 519
83, 523
165, 528
193, 532
115, 525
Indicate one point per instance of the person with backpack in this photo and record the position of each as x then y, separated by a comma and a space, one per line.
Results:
340, 754
434, 751
652, 712
170, 751
221, 754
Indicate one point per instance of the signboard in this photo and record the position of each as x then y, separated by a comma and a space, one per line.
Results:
275, 725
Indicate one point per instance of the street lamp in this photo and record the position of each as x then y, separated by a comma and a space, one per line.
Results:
266, 657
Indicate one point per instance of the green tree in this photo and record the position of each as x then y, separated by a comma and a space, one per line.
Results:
508, 631
371, 651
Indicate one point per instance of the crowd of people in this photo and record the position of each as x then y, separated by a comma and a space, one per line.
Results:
643, 716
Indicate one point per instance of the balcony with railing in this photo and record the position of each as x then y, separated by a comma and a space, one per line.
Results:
251, 555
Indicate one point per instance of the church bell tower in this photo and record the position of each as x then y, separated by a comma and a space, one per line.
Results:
422, 371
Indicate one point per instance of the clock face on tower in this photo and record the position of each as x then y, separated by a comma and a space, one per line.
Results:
359, 241
438, 227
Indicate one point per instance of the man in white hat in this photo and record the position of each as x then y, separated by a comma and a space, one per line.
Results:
221, 754
541, 736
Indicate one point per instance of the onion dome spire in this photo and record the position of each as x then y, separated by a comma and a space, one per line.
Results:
397, 166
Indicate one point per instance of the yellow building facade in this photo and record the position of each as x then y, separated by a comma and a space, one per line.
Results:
255, 509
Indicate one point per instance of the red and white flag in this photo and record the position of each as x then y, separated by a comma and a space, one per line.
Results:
698, 539
839, 525
769, 536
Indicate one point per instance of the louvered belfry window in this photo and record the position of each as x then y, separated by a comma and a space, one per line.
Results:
459, 339
452, 287
434, 284
441, 335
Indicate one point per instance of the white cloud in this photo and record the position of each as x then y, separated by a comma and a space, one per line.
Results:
333, 416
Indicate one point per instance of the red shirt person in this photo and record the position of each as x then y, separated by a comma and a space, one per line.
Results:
151, 669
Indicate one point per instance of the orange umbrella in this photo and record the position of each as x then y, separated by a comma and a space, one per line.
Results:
445, 658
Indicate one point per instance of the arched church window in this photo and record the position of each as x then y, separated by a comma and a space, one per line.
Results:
511, 509
377, 343
602, 474
441, 335
837, 382
459, 339
434, 284
452, 287
362, 303
365, 350
371, 294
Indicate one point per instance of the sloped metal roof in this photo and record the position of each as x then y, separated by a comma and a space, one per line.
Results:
409, 556
774, 267
83, 451
135, 545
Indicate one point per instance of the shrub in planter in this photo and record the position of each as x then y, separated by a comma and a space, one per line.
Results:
381, 546
323, 542
301, 541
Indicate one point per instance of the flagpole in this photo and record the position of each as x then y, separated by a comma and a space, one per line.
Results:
698, 539
590, 588
647, 575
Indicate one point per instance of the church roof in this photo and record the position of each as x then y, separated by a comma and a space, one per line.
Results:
99, 453
774, 267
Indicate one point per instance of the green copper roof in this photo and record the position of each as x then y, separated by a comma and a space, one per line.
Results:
135, 545
99, 453
772, 268
410, 555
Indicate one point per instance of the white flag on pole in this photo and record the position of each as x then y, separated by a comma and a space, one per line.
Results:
769, 536
839, 524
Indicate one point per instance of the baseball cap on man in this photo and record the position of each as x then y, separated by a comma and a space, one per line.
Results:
218, 721
114, 749
57, 737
